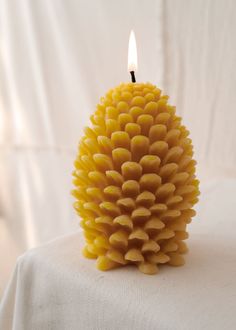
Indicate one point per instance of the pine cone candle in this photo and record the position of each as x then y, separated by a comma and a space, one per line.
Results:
135, 181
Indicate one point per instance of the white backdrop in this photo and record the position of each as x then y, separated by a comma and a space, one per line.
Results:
57, 58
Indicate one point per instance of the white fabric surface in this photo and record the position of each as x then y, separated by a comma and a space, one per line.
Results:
57, 58
200, 75
54, 287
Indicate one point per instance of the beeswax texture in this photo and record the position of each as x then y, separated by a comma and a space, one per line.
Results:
135, 183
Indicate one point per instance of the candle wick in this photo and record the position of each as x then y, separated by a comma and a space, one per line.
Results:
132, 77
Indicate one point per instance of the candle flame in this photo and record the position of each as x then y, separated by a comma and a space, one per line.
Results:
132, 53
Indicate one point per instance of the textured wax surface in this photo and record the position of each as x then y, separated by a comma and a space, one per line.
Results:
135, 181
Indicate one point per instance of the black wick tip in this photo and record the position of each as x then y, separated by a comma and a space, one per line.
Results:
132, 77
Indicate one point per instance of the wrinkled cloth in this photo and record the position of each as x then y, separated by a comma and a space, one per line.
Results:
54, 287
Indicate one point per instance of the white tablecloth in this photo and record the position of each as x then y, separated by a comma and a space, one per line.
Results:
54, 287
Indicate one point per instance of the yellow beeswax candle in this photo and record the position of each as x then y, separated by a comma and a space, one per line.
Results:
135, 184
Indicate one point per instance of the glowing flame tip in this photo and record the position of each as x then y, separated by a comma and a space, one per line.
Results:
132, 53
